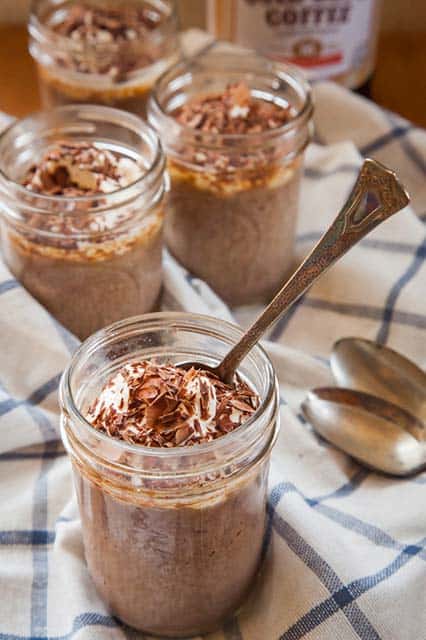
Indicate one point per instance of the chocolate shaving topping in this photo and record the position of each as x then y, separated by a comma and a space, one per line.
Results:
72, 169
234, 111
101, 25
118, 34
160, 405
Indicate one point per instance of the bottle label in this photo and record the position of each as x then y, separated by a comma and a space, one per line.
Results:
325, 37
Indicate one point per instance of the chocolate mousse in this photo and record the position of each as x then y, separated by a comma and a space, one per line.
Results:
172, 567
87, 263
105, 53
234, 193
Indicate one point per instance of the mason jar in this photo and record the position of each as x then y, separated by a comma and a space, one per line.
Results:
234, 198
172, 536
99, 68
91, 259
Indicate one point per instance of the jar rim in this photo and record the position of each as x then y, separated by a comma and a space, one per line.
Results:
189, 320
89, 112
283, 72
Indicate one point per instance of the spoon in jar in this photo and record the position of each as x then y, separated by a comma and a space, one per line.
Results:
376, 195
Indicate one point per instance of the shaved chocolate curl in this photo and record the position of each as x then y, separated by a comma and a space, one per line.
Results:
160, 405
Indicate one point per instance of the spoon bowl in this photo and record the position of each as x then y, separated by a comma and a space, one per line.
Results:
377, 433
371, 367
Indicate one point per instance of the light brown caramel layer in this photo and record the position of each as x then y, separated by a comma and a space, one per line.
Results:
79, 92
89, 251
229, 182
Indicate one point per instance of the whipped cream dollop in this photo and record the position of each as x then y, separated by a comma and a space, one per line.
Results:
73, 169
160, 405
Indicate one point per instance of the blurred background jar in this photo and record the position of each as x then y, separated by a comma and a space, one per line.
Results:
394, 84
329, 39
233, 203
102, 52
89, 259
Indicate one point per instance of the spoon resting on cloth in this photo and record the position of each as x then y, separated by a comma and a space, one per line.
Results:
385, 431
374, 431
376, 195
367, 366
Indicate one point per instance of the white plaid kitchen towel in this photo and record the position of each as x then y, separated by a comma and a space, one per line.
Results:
346, 547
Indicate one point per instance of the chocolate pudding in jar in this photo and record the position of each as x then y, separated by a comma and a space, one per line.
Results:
170, 469
81, 203
102, 52
234, 127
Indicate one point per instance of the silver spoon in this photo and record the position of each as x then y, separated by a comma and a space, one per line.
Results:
376, 195
376, 432
367, 366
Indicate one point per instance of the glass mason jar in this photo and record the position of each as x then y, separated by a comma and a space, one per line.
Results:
90, 260
233, 205
172, 537
114, 73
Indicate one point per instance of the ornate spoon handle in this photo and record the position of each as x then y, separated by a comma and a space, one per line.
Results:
376, 195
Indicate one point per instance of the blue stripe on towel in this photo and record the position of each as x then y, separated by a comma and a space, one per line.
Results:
368, 531
347, 521
39, 587
406, 144
386, 315
389, 312
34, 399
44, 390
8, 285
26, 537
342, 599
367, 311
346, 489
383, 140
82, 621
390, 246
12, 456
315, 174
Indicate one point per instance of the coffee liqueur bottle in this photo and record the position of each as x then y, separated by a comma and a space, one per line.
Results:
329, 39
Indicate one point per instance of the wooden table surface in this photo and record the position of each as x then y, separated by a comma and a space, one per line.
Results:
398, 83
